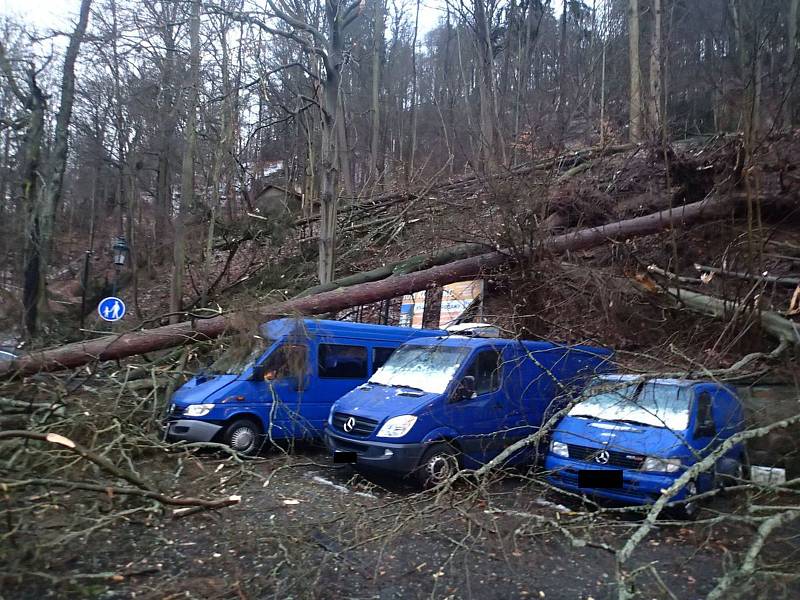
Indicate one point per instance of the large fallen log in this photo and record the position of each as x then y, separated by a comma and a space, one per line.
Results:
137, 342
781, 328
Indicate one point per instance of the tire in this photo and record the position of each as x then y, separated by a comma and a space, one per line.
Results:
438, 464
244, 436
688, 511
738, 474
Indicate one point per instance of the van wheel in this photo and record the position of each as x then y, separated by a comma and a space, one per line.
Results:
688, 510
244, 436
438, 464
736, 473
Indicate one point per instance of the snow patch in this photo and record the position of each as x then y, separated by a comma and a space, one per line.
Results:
553, 505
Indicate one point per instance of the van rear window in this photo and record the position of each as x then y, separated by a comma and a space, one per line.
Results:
337, 361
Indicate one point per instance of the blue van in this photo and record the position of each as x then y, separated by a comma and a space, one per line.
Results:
282, 384
630, 438
441, 403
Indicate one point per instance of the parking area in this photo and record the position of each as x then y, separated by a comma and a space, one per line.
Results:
307, 528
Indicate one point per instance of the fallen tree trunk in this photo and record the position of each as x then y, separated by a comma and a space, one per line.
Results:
784, 330
138, 342
418, 262
788, 280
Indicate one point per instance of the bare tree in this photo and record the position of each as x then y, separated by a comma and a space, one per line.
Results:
635, 100
328, 46
378, 42
187, 170
789, 71
42, 203
655, 110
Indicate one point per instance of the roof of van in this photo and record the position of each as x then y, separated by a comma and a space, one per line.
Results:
345, 329
531, 346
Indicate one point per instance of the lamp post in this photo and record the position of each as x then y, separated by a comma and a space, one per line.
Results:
85, 282
120, 252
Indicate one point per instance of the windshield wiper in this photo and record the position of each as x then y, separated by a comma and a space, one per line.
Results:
626, 421
633, 422
411, 387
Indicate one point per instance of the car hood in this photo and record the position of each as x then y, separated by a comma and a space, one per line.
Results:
624, 437
202, 389
380, 402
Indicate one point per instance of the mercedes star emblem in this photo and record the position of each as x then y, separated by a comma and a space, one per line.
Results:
601, 458
351, 422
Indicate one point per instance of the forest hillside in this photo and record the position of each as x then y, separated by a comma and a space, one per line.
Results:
619, 174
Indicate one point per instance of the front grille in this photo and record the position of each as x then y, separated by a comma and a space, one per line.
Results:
176, 411
361, 426
615, 458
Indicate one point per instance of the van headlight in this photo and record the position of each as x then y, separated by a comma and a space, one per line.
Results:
559, 449
397, 426
198, 410
661, 465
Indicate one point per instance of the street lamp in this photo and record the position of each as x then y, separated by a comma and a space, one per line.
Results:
120, 252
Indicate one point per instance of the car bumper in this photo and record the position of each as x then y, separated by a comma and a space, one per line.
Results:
189, 430
398, 458
637, 487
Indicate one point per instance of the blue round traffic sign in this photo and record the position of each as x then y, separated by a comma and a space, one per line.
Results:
111, 309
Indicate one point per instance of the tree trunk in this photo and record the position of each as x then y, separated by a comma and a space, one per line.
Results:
187, 170
129, 344
166, 124
561, 108
412, 144
635, 110
32, 150
345, 166
789, 75
44, 223
329, 193
655, 112
489, 131
377, 54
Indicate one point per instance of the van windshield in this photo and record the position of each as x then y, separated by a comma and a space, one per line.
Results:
654, 404
240, 356
427, 368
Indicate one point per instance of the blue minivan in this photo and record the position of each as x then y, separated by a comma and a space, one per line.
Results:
629, 438
283, 383
441, 403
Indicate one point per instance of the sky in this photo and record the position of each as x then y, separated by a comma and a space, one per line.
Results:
59, 14
44, 14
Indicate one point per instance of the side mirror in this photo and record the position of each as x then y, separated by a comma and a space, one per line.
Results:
465, 389
258, 373
705, 430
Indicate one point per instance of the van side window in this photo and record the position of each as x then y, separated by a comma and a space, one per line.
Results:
287, 361
380, 356
486, 371
337, 361
705, 419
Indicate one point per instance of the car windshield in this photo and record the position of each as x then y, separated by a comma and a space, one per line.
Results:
240, 357
427, 368
648, 403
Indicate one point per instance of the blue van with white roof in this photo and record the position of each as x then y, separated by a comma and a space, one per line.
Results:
440, 403
282, 384
629, 438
